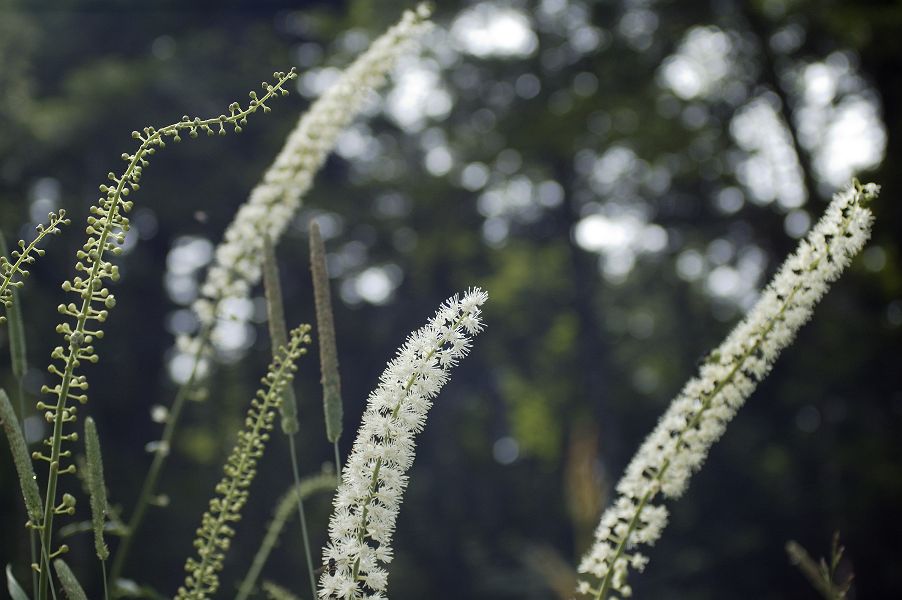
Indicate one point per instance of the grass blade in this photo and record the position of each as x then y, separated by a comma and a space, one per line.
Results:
306, 488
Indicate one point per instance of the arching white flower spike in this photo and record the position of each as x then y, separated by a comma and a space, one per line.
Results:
374, 479
700, 413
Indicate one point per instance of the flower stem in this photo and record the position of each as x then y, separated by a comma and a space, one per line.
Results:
156, 466
301, 515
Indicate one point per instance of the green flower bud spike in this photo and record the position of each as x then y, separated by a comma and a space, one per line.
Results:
13, 273
106, 229
232, 492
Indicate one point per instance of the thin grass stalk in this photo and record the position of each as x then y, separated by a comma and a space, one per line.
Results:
284, 508
275, 311
149, 485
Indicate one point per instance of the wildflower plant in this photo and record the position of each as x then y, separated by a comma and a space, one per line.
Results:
374, 478
106, 229
215, 532
700, 413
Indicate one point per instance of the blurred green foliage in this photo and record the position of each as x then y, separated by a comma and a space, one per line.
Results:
496, 184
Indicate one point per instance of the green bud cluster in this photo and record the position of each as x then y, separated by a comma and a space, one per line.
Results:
215, 532
106, 229
12, 274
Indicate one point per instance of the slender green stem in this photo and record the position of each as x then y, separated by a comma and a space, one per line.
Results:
283, 511
706, 404
106, 594
156, 466
337, 459
45, 564
301, 515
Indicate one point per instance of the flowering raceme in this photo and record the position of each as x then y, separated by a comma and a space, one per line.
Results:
373, 480
700, 413
275, 200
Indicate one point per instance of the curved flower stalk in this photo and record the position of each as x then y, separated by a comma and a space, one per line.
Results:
12, 273
700, 413
215, 532
373, 480
106, 230
273, 203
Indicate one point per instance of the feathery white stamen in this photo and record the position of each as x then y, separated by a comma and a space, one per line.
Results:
698, 416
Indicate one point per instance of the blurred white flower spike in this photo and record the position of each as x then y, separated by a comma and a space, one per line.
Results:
275, 200
699, 415
374, 479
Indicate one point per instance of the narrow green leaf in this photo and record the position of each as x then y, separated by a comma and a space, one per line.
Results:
67, 578
278, 331
15, 590
21, 458
96, 487
325, 326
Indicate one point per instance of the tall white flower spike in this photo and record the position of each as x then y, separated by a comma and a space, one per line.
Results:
700, 413
373, 480
272, 204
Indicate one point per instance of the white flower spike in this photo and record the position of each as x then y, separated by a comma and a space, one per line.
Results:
272, 204
700, 413
373, 480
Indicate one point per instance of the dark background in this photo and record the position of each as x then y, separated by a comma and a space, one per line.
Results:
568, 125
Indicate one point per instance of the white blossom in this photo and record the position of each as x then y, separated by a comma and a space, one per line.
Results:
275, 200
698, 416
373, 480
